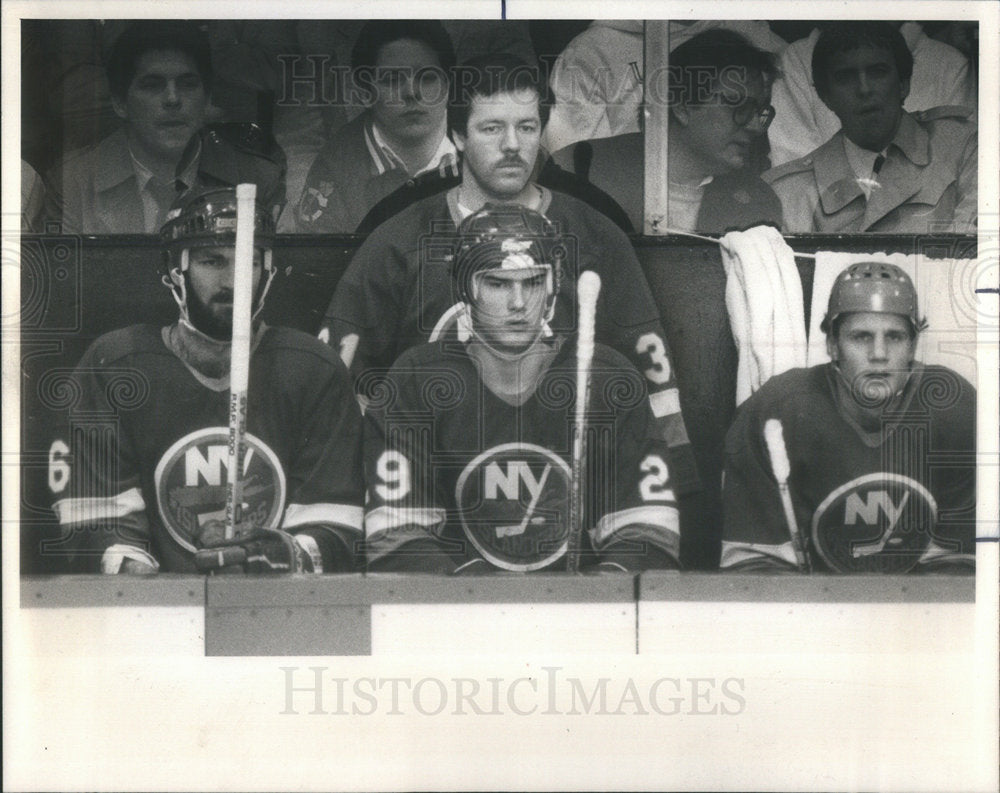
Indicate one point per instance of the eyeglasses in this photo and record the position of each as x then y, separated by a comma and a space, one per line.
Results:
745, 113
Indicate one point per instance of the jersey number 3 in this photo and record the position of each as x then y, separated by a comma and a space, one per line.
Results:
652, 345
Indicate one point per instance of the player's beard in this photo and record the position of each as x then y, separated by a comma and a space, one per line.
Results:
214, 322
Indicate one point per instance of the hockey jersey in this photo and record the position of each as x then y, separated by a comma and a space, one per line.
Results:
895, 499
147, 445
455, 473
397, 293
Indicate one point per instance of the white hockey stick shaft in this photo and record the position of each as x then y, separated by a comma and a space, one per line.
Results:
774, 437
239, 370
588, 289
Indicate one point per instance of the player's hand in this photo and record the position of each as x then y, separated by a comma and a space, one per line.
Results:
260, 551
136, 567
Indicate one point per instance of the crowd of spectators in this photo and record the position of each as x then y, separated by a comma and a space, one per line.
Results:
334, 119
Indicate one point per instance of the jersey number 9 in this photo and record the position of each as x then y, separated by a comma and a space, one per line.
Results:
393, 470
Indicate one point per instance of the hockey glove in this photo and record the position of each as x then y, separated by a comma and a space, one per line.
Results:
261, 551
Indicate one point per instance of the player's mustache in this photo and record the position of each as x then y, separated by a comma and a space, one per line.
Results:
511, 161
222, 296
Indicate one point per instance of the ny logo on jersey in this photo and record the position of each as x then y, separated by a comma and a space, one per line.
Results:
190, 480
497, 480
512, 501
212, 467
879, 501
878, 522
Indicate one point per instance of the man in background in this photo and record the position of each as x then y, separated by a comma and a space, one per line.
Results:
400, 141
160, 76
885, 170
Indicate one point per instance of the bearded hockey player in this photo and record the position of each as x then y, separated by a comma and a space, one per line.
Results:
149, 433
468, 442
865, 464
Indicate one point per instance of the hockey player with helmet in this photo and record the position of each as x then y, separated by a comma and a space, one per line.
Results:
468, 442
878, 449
149, 431
396, 293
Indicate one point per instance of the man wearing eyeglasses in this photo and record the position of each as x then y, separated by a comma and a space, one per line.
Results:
886, 170
719, 96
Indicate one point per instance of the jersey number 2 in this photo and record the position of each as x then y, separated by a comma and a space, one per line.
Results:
653, 487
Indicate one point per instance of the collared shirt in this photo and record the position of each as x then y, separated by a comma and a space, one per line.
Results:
355, 170
928, 181
684, 203
385, 159
154, 205
863, 164
941, 77
97, 191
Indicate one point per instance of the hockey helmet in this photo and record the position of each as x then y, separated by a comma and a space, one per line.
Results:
508, 237
208, 219
877, 287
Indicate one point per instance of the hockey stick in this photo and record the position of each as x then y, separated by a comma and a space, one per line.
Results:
239, 368
775, 439
519, 529
588, 288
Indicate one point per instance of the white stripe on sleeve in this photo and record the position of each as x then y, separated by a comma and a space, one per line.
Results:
340, 514
665, 403
94, 509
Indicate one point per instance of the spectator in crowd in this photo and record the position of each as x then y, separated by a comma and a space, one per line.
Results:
941, 76
334, 41
597, 81
830, 468
160, 76
484, 484
400, 140
397, 293
886, 170
713, 128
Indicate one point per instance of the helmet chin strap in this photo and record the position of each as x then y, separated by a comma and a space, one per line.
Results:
467, 331
178, 289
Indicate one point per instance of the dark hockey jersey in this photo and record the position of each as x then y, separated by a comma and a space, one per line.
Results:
890, 500
453, 467
147, 446
397, 293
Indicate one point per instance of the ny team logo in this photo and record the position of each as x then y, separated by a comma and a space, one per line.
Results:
513, 501
879, 522
190, 482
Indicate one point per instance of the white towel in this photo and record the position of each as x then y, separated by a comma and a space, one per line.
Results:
764, 300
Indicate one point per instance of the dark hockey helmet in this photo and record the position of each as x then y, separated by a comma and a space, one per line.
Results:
877, 287
508, 237
208, 219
